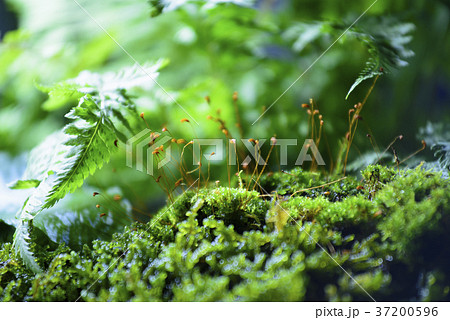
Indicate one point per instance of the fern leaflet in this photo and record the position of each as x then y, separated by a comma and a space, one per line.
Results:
64, 160
22, 246
92, 139
386, 44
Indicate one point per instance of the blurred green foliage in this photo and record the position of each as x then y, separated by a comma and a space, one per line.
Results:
218, 49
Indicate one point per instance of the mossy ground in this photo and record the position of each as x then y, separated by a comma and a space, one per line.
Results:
388, 232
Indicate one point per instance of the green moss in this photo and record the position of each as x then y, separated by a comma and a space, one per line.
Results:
417, 209
297, 181
348, 214
227, 244
375, 178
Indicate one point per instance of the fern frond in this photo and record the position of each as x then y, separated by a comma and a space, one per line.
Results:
64, 160
442, 153
108, 90
84, 146
61, 90
437, 135
125, 79
34, 203
371, 70
109, 83
434, 133
43, 160
22, 246
92, 141
386, 42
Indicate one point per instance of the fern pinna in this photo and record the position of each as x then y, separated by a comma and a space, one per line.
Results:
65, 159
386, 41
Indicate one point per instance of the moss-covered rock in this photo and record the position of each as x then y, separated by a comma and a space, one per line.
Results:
350, 240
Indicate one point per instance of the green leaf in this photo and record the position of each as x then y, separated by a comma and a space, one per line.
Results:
25, 184
92, 142
65, 159
22, 246
386, 41
107, 90
74, 158
372, 70
44, 160
59, 95
108, 84
46, 157
35, 202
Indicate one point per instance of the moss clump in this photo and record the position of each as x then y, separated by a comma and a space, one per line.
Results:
416, 206
376, 177
309, 184
243, 209
227, 244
